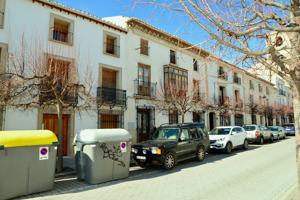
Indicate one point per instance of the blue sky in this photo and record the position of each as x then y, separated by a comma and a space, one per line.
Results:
172, 23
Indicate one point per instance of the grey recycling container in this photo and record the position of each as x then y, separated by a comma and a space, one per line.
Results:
102, 154
27, 162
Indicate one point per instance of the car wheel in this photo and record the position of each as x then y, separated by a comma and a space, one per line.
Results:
142, 164
261, 140
272, 139
245, 145
169, 161
200, 154
228, 148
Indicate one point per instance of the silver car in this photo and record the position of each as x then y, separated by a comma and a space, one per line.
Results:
278, 132
258, 133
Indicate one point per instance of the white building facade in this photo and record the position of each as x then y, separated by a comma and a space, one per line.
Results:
130, 62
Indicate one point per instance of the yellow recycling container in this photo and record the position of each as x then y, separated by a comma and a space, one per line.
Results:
27, 162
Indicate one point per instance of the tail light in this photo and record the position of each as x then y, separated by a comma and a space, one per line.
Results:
257, 133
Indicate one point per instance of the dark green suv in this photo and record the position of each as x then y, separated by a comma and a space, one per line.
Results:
171, 144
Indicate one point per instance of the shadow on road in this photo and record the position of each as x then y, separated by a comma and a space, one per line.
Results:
70, 184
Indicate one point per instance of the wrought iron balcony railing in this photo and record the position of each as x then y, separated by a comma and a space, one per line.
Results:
144, 88
223, 100
111, 96
237, 80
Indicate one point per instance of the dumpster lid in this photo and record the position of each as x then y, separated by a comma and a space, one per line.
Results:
102, 135
26, 138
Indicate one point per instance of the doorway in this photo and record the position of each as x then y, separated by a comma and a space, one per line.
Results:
211, 117
143, 124
50, 122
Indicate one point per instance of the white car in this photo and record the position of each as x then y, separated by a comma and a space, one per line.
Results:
227, 138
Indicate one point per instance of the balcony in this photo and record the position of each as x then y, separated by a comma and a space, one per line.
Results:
61, 35
48, 95
197, 97
144, 88
237, 80
223, 100
222, 75
282, 92
111, 96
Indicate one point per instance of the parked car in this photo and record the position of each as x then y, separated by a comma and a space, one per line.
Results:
278, 132
171, 144
227, 138
258, 133
289, 129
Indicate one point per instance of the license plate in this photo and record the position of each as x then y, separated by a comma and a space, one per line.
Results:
141, 157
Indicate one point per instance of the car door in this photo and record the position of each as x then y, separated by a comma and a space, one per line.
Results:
184, 146
195, 139
204, 138
241, 136
234, 135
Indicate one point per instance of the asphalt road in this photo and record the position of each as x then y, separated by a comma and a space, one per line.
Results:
263, 172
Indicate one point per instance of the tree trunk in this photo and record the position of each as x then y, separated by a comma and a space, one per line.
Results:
182, 117
60, 153
297, 129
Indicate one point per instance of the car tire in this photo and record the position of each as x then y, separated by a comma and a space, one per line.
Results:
246, 145
142, 164
228, 148
169, 161
261, 140
200, 153
271, 139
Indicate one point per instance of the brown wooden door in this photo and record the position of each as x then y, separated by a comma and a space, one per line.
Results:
143, 124
109, 78
50, 122
109, 121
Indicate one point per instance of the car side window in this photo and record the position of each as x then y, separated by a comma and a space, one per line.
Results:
239, 130
184, 135
193, 133
234, 130
201, 133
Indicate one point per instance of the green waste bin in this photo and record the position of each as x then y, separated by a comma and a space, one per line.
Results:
102, 155
27, 162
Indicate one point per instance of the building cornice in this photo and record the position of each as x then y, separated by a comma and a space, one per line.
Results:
78, 13
134, 23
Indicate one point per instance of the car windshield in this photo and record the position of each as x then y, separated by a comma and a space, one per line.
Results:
220, 131
273, 128
166, 134
249, 128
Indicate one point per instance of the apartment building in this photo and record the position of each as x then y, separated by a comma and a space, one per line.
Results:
69, 37
131, 63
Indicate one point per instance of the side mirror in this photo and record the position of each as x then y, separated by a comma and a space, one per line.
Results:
233, 133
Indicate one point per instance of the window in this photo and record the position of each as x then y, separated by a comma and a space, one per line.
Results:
195, 64
259, 87
111, 44
173, 117
61, 29
176, 77
198, 117
172, 57
236, 79
222, 74
184, 135
144, 77
144, 47
193, 133
251, 86
2, 13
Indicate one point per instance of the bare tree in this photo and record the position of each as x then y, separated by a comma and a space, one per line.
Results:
264, 31
170, 97
34, 79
